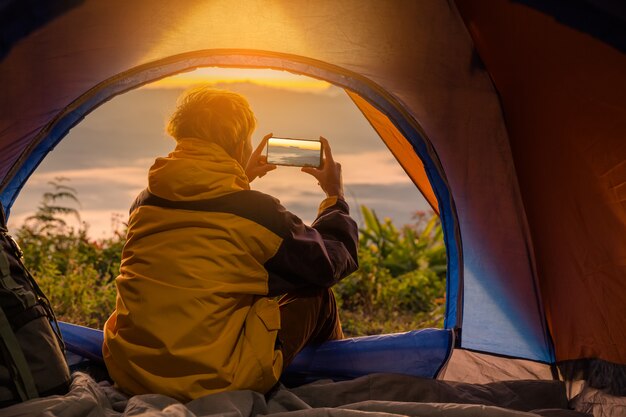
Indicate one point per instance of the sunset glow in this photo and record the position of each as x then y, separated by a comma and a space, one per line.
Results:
313, 145
265, 77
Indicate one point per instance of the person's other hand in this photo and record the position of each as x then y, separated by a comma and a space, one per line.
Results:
257, 164
329, 175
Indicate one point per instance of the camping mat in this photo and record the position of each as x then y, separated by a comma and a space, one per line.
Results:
378, 395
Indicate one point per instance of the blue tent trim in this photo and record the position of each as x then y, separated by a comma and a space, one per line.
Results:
82, 341
420, 353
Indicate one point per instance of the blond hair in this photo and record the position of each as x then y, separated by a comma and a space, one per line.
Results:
218, 116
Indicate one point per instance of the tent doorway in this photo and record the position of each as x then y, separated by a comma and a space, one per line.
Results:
386, 113
394, 139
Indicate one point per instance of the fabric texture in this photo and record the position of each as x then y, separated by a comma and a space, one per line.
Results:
566, 118
599, 403
379, 395
32, 360
194, 312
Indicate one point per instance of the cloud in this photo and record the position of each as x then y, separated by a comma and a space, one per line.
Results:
373, 167
123, 175
101, 224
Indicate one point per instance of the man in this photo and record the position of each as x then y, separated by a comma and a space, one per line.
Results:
205, 256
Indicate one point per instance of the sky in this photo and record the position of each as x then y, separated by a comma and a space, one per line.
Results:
263, 77
107, 156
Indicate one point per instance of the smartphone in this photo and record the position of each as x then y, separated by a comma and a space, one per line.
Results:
294, 152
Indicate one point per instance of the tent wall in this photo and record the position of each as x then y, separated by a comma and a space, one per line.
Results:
416, 55
564, 96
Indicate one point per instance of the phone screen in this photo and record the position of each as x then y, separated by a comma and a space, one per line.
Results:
294, 152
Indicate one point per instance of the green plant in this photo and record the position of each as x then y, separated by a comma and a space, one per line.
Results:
400, 284
75, 272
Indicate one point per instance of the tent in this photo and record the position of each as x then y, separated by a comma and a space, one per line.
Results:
509, 116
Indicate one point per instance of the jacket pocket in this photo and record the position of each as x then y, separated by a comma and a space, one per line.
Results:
260, 364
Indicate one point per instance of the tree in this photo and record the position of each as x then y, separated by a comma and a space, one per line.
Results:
49, 215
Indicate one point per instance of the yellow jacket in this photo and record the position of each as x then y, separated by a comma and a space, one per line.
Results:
203, 257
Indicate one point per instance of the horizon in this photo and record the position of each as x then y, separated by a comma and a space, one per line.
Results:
226, 76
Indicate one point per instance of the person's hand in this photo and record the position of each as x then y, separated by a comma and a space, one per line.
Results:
257, 164
329, 175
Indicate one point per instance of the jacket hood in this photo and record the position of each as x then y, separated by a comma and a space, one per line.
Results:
196, 170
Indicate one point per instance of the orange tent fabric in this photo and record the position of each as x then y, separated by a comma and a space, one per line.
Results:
564, 98
399, 146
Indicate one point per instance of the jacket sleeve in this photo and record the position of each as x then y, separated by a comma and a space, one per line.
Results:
316, 256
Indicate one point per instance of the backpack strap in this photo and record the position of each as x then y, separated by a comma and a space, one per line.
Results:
22, 376
7, 282
36, 303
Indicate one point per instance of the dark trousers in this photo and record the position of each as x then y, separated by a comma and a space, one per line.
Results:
307, 317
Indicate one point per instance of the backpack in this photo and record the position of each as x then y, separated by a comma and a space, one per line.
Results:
32, 362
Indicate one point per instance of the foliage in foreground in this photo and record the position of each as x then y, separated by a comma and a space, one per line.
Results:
76, 273
399, 286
